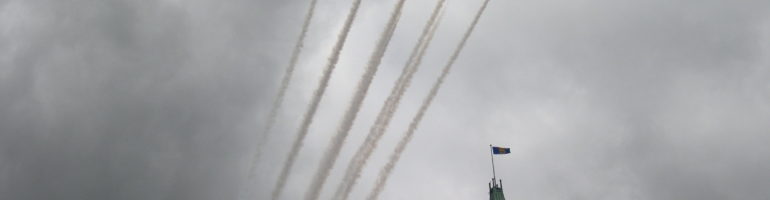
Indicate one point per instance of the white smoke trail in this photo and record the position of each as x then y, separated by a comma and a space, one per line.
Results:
279, 98
388, 168
383, 118
331, 154
317, 95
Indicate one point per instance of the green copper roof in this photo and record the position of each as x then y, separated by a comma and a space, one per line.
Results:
496, 190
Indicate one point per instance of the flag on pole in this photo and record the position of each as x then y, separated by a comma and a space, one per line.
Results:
501, 150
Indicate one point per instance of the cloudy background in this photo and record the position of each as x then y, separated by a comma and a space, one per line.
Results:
598, 99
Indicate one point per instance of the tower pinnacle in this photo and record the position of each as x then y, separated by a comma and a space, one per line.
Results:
496, 190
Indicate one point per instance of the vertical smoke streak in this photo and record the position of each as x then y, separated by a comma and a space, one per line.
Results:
391, 104
331, 154
388, 168
279, 98
317, 95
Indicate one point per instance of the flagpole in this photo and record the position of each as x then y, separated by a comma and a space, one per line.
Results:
492, 155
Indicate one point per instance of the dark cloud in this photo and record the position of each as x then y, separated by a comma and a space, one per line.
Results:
131, 99
598, 99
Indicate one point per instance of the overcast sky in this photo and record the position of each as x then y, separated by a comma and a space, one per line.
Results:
597, 99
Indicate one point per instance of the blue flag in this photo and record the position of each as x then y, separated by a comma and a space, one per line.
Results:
501, 150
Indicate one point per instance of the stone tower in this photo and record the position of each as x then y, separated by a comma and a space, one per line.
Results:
496, 190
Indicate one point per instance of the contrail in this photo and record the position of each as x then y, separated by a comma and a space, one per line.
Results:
383, 118
388, 168
317, 95
331, 154
281, 93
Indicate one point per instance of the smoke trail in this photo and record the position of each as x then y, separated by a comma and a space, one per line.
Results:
388, 168
331, 154
383, 118
317, 95
281, 93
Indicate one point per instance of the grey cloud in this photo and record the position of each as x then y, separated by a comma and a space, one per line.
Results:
130, 99
598, 99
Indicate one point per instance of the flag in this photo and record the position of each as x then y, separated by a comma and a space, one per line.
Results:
501, 150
